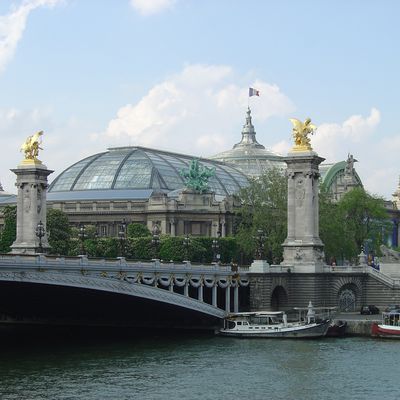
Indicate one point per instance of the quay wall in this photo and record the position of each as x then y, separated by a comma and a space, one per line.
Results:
358, 327
274, 291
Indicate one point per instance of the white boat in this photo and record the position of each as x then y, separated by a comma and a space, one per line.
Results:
273, 324
390, 326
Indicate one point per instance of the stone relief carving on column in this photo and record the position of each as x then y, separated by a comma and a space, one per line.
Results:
300, 191
299, 253
39, 200
290, 174
27, 199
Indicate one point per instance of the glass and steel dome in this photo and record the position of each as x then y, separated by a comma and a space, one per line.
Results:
140, 170
248, 155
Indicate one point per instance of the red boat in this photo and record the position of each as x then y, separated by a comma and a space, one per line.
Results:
390, 326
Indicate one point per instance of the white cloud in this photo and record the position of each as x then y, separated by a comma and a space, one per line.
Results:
378, 166
64, 141
13, 25
201, 106
376, 152
334, 141
149, 7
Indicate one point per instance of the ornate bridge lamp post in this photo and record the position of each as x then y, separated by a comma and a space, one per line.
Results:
82, 237
186, 245
260, 239
40, 233
215, 248
155, 240
122, 238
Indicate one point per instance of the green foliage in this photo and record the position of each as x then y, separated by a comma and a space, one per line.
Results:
102, 248
264, 206
173, 248
90, 232
140, 248
229, 250
332, 229
10, 228
59, 231
365, 218
345, 226
136, 230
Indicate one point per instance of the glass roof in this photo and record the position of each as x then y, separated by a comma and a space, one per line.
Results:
142, 168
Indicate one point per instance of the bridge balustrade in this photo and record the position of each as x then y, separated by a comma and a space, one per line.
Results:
156, 274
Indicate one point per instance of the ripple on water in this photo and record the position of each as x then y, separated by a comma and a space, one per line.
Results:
201, 368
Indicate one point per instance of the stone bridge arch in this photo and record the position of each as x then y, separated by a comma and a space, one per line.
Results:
111, 285
279, 294
347, 291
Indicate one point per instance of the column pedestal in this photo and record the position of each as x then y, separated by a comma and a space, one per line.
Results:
303, 249
31, 206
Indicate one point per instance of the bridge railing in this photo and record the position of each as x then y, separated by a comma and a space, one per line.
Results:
366, 269
75, 263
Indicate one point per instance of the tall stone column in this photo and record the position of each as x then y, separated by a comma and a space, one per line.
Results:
172, 222
31, 206
303, 248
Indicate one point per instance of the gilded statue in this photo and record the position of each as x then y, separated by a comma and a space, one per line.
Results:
301, 132
31, 147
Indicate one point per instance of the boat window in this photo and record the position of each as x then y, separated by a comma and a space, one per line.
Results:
245, 323
231, 325
239, 323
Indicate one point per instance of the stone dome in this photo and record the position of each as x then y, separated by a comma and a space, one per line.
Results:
249, 156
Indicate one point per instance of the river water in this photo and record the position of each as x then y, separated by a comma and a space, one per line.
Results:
198, 367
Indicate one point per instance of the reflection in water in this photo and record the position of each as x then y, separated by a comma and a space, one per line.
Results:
107, 365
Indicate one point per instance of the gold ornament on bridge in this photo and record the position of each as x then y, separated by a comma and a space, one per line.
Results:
301, 132
31, 148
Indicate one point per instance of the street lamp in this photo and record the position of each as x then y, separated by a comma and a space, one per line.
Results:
82, 237
122, 237
215, 248
40, 233
155, 240
260, 239
186, 244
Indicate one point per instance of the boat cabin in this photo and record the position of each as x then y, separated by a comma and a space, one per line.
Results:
391, 318
255, 320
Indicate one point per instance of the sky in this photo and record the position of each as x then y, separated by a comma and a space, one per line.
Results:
174, 75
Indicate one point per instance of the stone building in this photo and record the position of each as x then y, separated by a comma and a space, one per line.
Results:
138, 184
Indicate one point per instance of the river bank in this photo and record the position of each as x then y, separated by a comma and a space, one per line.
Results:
356, 324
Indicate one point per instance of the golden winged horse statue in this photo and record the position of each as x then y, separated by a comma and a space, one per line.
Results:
301, 130
31, 147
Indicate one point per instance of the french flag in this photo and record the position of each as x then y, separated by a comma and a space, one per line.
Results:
253, 92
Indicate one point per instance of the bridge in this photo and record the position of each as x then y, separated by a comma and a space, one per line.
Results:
118, 291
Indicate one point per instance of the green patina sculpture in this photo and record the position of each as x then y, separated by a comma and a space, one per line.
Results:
197, 176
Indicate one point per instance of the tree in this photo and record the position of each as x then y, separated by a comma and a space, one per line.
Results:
264, 206
136, 230
59, 231
9, 233
365, 219
332, 229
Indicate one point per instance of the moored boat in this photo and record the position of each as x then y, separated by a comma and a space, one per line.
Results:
390, 326
273, 324
337, 329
